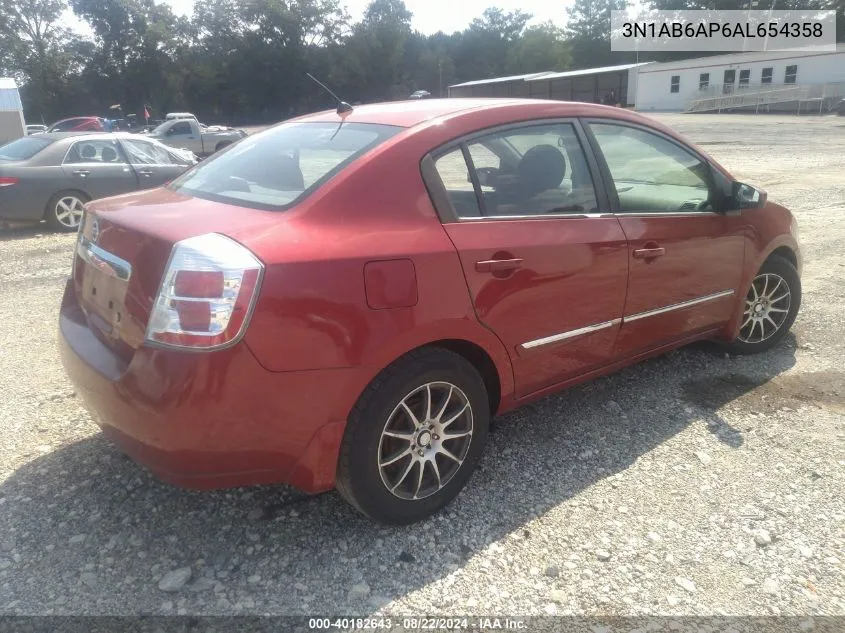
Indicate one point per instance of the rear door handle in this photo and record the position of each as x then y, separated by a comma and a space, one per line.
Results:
494, 265
649, 253
146, 172
81, 172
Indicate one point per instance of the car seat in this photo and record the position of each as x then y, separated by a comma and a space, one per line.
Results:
88, 152
542, 168
108, 155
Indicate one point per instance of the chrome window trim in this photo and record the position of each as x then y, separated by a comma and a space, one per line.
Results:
101, 259
571, 334
541, 216
670, 214
678, 306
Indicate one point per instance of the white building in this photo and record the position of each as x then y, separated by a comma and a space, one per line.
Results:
11, 112
588, 84
764, 81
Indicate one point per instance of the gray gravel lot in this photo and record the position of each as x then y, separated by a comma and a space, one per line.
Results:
692, 484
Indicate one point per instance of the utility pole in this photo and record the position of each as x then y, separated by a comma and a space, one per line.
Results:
440, 68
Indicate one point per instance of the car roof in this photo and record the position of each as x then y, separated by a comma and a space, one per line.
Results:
415, 111
59, 136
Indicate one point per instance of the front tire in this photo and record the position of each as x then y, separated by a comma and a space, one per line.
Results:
414, 438
771, 307
64, 210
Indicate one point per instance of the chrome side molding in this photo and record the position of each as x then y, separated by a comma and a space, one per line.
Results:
563, 336
571, 334
678, 306
101, 259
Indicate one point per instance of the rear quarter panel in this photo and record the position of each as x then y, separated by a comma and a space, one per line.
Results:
313, 311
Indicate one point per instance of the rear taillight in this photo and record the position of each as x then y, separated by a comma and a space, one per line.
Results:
207, 294
8, 181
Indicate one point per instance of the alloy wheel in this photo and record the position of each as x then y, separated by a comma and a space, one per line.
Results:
766, 308
425, 440
69, 210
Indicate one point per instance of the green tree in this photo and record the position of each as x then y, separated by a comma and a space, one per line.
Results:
541, 47
38, 51
588, 29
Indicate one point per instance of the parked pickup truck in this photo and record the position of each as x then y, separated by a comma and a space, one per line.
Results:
190, 134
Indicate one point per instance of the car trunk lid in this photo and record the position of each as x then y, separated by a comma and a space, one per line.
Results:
123, 249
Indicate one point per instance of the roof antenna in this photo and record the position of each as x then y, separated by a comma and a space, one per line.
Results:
342, 106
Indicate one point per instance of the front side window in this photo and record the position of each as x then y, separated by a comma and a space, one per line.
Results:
180, 128
276, 168
791, 75
675, 84
652, 174
703, 81
94, 151
146, 153
529, 171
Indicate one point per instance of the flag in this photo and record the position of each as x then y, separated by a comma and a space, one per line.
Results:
146, 113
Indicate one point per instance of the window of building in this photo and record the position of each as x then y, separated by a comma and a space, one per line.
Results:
744, 78
703, 81
766, 77
791, 75
728, 83
675, 86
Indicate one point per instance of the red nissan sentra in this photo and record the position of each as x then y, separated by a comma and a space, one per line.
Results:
344, 300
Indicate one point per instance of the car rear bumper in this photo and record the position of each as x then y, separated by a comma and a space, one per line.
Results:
209, 420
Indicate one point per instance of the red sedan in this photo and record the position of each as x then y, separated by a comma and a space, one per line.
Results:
80, 124
344, 300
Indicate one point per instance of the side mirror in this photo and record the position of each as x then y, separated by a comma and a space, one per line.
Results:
748, 197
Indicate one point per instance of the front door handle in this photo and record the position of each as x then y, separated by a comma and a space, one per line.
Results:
495, 265
82, 173
649, 253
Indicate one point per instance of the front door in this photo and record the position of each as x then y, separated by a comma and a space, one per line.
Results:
685, 256
544, 260
154, 165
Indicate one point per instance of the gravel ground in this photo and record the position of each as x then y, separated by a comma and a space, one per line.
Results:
692, 484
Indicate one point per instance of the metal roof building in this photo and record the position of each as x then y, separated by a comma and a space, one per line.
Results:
588, 84
11, 111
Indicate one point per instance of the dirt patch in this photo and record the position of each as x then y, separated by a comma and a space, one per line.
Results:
824, 389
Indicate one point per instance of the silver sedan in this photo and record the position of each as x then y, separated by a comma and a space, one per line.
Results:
51, 177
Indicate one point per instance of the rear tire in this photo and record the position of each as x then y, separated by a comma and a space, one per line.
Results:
414, 438
64, 210
771, 307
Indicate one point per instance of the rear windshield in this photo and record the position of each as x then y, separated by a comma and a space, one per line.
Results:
23, 148
277, 168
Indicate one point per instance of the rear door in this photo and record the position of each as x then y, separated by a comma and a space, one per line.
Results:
544, 259
99, 168
685, 254
153, 164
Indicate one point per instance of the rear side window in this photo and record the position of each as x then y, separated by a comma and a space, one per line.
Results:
22, 148
534, 170
95, 151
279, 167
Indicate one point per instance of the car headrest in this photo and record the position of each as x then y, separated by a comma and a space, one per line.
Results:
108, 155
88, 151
542, 167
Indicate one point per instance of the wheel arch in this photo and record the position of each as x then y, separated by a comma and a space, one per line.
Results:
83, 195
785, 247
